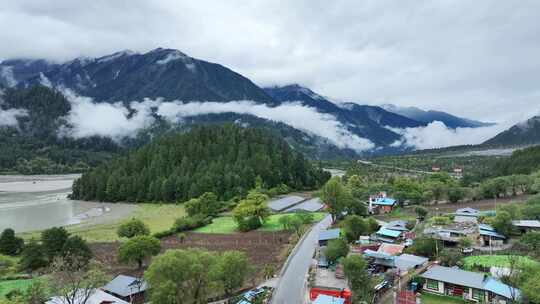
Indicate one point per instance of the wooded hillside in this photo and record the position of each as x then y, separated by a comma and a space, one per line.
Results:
225, 160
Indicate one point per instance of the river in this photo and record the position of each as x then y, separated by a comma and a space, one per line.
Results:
36, 202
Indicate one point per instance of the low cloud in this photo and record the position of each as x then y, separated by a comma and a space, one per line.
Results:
9, 117
438, 135
88, 118
295, 115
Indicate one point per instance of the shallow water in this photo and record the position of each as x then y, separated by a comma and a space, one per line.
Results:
36, 202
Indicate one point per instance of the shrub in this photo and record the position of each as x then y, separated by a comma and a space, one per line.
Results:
336, 249
132, 228
9, 243
32, 257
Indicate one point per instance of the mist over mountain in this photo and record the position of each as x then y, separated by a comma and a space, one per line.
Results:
430, 116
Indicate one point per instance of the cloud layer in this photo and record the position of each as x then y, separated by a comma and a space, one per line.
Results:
88, 118
458, 56
9, 117
438, 135
295, 115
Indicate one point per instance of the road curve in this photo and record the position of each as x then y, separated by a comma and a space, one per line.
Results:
290, 288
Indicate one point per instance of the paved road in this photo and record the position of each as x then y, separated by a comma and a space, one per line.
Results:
290, 288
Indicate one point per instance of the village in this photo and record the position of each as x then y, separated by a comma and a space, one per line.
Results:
397, 274
403, 277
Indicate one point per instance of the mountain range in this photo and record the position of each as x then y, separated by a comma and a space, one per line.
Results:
171, 75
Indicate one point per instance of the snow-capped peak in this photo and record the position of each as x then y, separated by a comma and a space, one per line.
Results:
116, 55
172, 56
82, 61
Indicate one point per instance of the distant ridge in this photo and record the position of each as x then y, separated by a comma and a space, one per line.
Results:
451, 121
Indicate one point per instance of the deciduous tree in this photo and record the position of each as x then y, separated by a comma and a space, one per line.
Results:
138, 249
133, 227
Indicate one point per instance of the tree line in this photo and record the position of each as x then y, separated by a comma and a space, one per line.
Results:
225, 160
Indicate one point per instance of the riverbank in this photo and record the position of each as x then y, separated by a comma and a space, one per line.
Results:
36, 202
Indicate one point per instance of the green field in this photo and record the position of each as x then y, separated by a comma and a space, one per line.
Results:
7, 286
158, 217
428, 298
494, 260
226, 224
398, 214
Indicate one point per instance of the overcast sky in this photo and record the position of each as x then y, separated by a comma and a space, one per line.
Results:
479, 59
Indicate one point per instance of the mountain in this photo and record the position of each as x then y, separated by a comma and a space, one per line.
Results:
369, 122
126, 76
521, 134
430, 116
174, 76
14, 71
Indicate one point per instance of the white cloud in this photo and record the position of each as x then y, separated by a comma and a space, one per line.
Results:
295, 115
438, 135
88, 118
9, 117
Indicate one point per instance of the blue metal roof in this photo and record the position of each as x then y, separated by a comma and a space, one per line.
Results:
384, 201
502, 289
329, 234
387, 232
324, 299
492, 233
486, 227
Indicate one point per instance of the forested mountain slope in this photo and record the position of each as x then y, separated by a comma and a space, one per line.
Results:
32, 144
521, 134
225, 160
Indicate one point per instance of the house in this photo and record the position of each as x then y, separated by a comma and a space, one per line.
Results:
466, 215
468, 285
380, 203
97, 297
453, 232
327, 235
436, 169
324, 299
311, 205
286, 202
527, 225
398, 225
386, 235
489, 236
391, 249
403, 263
129, 289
